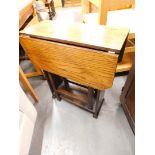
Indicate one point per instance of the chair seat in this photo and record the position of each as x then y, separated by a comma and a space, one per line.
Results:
118, 18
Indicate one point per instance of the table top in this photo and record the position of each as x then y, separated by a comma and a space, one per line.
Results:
95, 37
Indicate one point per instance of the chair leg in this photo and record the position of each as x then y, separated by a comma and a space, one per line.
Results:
27, 84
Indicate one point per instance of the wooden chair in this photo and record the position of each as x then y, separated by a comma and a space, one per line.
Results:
119, 13
26, 13
27, 84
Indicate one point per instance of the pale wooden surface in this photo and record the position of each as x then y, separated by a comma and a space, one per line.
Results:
71, 3
85, 66
25, 11
33, 74
57, 3
119, 18
27, 84
102, 12
97, 37
113, 4
24, 5
106, 14
126, 63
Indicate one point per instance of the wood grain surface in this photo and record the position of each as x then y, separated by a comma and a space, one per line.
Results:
113, 4
95, 37
25, 11
89, 67
126, 63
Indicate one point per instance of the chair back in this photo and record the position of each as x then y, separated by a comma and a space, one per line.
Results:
103, 6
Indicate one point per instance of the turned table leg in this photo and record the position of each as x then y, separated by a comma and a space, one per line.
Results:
98, 103
52, 85
90, 98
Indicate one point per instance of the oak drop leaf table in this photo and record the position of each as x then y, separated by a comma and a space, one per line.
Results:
79, 61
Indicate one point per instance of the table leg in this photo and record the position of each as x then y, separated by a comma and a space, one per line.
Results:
52, 85
98, 104
66, 83
90, 97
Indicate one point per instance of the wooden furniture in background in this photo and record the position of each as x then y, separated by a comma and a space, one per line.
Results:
51, 8
57, 3
103, 7
38, 71
27, 84
26, 13
71, 3
128, 98
126, 63
113, 13
72, 54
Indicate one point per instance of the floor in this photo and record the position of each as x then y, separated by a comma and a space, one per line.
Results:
64, 129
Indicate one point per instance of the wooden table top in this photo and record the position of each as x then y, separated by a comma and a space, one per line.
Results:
96, 36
